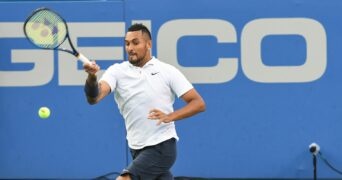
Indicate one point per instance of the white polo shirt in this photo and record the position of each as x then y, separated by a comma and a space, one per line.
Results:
137, 90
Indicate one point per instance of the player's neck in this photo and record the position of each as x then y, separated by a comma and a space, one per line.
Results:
142, 64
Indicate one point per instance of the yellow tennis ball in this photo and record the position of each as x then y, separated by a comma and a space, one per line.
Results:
44, 112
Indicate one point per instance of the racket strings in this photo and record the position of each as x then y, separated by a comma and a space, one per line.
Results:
46, 29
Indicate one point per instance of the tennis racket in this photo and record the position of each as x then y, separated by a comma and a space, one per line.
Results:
48, 30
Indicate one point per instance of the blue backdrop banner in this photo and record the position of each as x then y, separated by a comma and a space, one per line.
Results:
268, 71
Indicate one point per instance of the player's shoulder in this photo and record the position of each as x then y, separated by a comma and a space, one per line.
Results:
164, 65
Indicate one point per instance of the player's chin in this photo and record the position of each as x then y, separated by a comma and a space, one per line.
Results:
133, 60
130, 58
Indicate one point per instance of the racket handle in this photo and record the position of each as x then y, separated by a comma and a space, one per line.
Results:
84, 59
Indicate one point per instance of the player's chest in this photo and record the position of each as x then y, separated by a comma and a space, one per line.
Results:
143, 79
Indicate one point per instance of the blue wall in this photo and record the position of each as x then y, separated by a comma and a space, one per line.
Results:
270, 73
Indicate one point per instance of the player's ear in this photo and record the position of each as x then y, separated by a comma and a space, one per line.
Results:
149, 44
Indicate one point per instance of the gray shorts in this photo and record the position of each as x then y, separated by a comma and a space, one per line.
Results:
153, 162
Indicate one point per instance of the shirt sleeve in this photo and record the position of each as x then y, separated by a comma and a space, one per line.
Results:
109, 77
178, 82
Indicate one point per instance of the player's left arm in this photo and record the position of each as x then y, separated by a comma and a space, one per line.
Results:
194, 104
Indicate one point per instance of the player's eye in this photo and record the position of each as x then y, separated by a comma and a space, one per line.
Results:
135, 42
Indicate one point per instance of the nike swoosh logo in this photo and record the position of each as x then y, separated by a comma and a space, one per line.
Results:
154, 73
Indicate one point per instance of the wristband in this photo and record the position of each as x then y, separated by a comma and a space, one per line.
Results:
91, 90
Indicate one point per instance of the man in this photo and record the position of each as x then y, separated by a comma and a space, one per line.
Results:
145, 89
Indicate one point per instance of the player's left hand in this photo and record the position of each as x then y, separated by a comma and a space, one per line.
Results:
161, 117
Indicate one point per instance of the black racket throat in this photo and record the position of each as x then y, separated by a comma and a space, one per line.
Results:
73, 50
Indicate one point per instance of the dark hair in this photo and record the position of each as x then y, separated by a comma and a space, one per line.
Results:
140, 27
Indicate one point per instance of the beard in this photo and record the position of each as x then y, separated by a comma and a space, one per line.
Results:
135, 59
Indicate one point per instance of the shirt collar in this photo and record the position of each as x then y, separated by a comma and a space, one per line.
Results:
151, 62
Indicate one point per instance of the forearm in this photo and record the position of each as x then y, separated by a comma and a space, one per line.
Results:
91, 89
194, 105
192, 108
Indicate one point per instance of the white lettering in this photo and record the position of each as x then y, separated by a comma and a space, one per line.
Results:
172, 31
42, 60
313, 33
167, 38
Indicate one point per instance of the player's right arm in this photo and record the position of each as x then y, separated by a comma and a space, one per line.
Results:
95, 91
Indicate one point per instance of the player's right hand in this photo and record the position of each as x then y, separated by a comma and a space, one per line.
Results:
91, 68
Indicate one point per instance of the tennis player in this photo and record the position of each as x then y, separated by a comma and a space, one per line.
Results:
145, 89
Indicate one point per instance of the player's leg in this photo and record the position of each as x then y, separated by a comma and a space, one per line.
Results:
124, 177
153, 162
166, 176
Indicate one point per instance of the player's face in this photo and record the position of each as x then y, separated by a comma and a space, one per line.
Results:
137, 48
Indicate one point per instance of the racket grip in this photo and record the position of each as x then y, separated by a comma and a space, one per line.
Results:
84, 59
